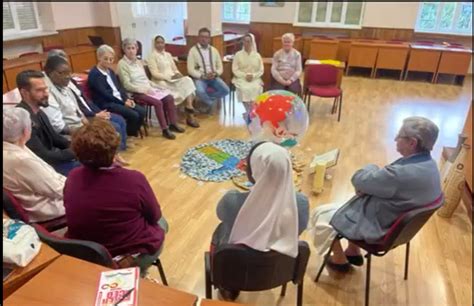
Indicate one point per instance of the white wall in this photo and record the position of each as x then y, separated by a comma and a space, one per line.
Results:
400, 15
68, 15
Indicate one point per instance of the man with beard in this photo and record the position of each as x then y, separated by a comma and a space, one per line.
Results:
45, 141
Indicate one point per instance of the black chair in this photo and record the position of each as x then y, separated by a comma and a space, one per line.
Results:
401, 232
139, 49
86, 250
238, 267
14, 209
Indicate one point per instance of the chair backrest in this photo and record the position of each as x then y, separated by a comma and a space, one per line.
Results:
424, 43
82, 249
230, 32
320, 75
177, 38
49, 48
239, 267
96, 40
13, 207
410, 223
86, 91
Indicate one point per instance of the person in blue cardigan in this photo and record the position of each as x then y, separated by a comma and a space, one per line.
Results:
108, 93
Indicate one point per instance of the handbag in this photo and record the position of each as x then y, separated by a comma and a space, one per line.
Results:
20, 242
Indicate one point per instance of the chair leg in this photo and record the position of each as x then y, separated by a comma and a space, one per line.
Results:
158, 264
433, 77
283, 290
401, 75
207, 268
407, 256
299, 295
326, 257
367, 280
340, 108
406, 75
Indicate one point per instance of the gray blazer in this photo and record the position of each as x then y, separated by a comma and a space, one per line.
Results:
405, 184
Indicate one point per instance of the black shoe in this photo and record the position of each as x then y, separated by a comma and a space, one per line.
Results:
192, 123
356, 260
343, 268
229, 295
176, 128
191, 111
167, 134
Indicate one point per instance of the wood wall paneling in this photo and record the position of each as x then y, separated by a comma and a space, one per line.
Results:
83, 61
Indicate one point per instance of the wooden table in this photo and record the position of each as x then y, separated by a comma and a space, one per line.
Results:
206, 302
340, 69
454, 61
323, 49
70, 281
423, 59
392, 56
363, 54
20, 276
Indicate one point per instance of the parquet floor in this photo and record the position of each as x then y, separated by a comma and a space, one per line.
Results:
441, 254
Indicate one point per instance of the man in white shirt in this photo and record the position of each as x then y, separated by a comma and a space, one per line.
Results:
205, 66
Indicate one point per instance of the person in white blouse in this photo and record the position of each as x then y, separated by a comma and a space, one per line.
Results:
247, 67
164, 73
30, 179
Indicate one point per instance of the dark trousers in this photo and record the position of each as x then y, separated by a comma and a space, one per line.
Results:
294, 87
165, 110
66, 167
133, 116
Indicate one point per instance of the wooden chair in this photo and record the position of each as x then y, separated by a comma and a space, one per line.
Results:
238, 267
401, 232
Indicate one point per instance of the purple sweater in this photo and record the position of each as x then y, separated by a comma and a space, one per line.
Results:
115, 207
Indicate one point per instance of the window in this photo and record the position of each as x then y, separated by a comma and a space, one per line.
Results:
329, 14
139, 9
20, 17
236, 12
445, 17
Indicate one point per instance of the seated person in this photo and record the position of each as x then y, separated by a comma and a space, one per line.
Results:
92, 111
164, 73
31, 180
205, 66
63, 111
108, 204
108, 93
382, 195
134, 80
287, 66
269, 217
247, 68
45, 141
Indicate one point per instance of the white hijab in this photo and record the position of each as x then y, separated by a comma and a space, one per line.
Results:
254, 44
268, 219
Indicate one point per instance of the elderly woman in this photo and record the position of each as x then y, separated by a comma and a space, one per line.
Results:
382, 195
271, 215
286, 66
108, 93
108, 204
133, 76
247, 68
166, 75
30, 179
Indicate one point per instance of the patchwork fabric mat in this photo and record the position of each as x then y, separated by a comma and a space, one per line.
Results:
216, 161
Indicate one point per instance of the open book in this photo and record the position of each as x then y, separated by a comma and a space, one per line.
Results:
329, 158
118, 287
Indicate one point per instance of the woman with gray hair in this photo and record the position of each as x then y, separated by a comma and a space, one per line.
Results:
287, 66
135, 80
382, 195
30, 179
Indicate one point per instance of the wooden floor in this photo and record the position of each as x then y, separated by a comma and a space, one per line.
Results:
441, 254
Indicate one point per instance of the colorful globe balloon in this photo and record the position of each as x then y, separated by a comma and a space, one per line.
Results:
278, 116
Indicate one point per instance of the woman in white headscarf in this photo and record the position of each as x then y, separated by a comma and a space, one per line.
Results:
247, 67
271, 215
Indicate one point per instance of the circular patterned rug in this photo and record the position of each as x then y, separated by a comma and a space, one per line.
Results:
216, 161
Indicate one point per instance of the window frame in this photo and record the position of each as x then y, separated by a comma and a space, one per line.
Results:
234, 20
437, 29
16, 30
328, 23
